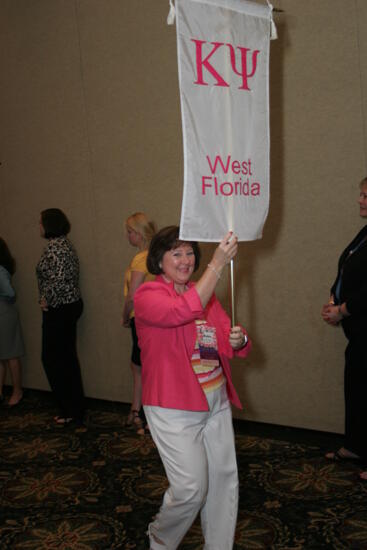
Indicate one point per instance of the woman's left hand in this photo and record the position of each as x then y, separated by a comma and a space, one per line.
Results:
237, 338
43, 304
225, 251
331, 314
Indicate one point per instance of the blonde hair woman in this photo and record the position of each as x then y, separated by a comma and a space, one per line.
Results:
140, 231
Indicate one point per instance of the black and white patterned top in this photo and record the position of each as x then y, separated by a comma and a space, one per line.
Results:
58, 273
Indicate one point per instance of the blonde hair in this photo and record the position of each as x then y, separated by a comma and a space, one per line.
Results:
363, 182
140, 223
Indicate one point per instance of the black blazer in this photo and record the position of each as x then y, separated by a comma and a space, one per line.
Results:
353, 270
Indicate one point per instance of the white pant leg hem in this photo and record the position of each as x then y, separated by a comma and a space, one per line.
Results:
177, 436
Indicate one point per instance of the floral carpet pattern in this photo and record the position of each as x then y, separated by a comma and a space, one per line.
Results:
97, 486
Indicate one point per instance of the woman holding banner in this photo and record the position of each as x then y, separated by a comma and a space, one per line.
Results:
186, 341
348, 306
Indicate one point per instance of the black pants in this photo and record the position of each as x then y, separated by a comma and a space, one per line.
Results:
60, 360
135, 354
355, 392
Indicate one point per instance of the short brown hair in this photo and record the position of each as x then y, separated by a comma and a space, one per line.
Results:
167, 239
55, 223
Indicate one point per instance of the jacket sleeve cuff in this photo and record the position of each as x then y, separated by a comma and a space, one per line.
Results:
245, 350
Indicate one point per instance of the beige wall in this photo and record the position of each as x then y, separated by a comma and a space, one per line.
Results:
90, 123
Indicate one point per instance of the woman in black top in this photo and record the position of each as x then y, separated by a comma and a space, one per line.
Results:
348, 306
61, 304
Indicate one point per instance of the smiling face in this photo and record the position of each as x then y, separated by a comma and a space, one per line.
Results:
178, 265
363, 201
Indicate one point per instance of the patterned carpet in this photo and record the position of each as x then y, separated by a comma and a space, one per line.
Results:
97, 487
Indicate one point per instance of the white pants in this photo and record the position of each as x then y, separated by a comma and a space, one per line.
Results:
198, 453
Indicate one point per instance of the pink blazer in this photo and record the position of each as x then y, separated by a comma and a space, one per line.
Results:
165, 323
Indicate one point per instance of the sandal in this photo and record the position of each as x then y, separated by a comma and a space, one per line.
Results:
134, 421
340, 456
130, 419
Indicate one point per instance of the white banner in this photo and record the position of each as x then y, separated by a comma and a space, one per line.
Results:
223, 62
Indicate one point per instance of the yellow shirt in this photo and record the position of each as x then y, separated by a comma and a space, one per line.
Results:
138, 263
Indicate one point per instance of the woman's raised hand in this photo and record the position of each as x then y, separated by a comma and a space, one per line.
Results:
223, 254
225, 251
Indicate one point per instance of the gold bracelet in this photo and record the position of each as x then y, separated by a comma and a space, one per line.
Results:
214, 271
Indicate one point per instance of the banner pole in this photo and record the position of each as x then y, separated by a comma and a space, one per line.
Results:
233, 316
